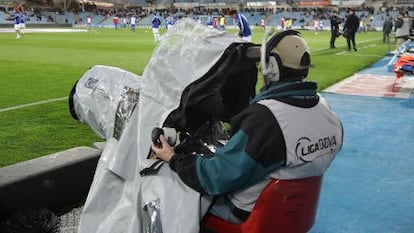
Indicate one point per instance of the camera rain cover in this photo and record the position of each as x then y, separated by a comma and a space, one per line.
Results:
193, 70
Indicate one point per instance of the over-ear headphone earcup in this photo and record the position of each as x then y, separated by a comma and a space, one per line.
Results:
279, 65
272, 72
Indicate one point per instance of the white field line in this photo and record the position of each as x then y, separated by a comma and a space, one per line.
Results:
357, 55
352, 53
44, 30
32, 104
358, 42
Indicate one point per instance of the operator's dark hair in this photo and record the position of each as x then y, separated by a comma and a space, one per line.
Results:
232, 12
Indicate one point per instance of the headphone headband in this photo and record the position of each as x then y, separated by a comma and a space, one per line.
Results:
277, 38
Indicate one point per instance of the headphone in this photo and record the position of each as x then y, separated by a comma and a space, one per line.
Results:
271, 62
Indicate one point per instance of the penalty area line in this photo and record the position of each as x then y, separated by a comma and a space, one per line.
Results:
32, 104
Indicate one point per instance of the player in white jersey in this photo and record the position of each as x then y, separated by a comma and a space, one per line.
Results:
133, 22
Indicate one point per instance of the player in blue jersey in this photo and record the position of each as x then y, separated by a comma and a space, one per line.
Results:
156, 23
245, 33
22, 23
210, 20
169, 21
17, 18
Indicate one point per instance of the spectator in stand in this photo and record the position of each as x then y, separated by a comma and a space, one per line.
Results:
350, 28
245, 33
386, 29
411, 20
156, 23
115, 21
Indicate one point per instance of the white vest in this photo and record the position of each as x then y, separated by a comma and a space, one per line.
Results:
313, 136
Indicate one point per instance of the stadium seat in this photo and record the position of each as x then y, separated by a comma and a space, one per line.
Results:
284, 206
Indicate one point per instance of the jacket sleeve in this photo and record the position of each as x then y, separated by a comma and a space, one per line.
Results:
255, 149
398, 23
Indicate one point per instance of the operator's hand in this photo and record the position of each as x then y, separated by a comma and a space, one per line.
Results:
165, 151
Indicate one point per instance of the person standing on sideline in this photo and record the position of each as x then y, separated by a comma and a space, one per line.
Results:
115, 21
288, 23
124, 22
402, 28
222, 22
216, 23
89, 22
316, 25
362, 26
335, 21
270, 139
386, 29
156, 22
210, 20
350, 28
245, 33
282, 24
263, 23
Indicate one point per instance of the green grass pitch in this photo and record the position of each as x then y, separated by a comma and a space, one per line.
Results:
45, 66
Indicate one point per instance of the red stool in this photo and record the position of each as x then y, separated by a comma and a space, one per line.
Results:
285, 206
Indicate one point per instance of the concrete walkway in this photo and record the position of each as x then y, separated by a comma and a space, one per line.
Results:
369, 188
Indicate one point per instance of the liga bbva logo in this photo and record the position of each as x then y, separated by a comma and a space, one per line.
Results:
308, 150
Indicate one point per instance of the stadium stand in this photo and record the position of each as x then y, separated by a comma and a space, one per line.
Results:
302, 12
